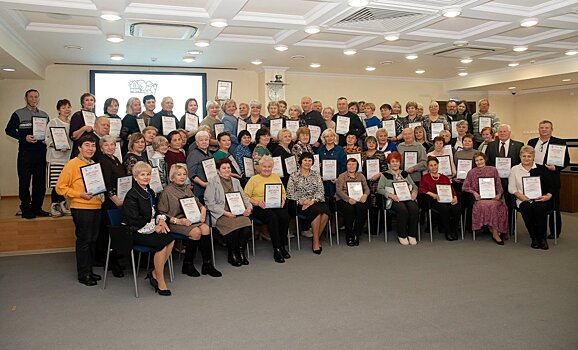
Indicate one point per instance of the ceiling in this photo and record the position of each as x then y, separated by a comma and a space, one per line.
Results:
34, 34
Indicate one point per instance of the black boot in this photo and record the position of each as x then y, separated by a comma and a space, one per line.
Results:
208, 267
243, 240
188, 262
278, 256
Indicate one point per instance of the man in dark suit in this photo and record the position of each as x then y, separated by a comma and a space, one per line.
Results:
311, 116
541, 147
355, 124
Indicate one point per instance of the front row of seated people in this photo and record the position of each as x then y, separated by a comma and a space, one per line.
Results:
152, 222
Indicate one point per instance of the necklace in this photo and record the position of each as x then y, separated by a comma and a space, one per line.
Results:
435, 178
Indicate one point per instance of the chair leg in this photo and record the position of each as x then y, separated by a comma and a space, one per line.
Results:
106, 265
385, 225
253, 236
430, 226
298, 233
149, 262
418, 231
368, 226
462, 226
171, 270
515, 223
212, 246
336, 227
138, 264
134, 272
336, 230
555, 228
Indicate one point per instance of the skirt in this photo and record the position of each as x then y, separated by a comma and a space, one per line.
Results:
227, 225
182, 229
156, 241
313, 211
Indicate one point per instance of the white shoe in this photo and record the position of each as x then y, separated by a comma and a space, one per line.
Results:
403, 241
64, 208
412, 240
55, 210
307, 234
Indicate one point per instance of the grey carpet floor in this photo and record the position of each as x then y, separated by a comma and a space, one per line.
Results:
440, 295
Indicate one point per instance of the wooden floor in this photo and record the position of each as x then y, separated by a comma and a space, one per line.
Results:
22, 236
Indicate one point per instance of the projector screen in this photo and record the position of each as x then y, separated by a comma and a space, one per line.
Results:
123, 85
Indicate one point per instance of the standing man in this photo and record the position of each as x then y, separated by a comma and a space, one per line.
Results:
317, 106
31, 156
150, 104
311, 116
355, 124
483, 112
542, 146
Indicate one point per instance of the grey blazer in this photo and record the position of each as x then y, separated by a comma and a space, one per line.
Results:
215, 197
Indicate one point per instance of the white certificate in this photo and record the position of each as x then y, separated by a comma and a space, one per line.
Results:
115, 126
235, 165
356, 156
355, 190
191, 122
39, 128
150, 151
93, 179
210, 168
409, 159
455, 129
117, 152
224, 89
487, 187
169, 124
329, 168
291, 165
371, 168
235, 202
191, 209
292, 125
89, 118
532, 187
414, 124
273, 195
249, 167
315, 133
444, 193
275, 125
556, 155
389, 126
141, 124
445, 166
219, 128
59, 138
123, 185
241, 125
278, 166
402, 190
448, 151
155, 184
315, 165
464, 166
371, 131
504, 165
342, 125
484, 122
436, 128
252, 129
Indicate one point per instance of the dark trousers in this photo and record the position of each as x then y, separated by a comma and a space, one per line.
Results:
353, 217
449, 216
87, 225
407, 215
556, 203
31, 168
55, 197
277, 221
534, 215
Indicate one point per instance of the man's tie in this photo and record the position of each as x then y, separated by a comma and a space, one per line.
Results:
502, 150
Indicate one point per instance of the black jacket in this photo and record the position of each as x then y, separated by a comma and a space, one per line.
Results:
545, 178
136, 208
513, 151
556, 173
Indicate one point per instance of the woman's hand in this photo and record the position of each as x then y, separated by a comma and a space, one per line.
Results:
184, 222
394, 198
477, 196
434, 196
86, 195
413, 196
229, 214
333, 181
203, 217
544, 198
454, 200
351, 201
376, 177
116, 201
247, 212
162, 227
523, 197
411, 170
363, 198
261, 204
87, 128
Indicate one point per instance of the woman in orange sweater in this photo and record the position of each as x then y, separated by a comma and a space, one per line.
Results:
85, 208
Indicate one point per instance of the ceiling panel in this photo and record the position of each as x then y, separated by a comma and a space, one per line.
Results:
525, 32
251, 31
456, 24
331, 37
525, 3
183, 3
58, 18
293, 7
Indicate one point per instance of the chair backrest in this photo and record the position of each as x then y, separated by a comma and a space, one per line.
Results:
115, 217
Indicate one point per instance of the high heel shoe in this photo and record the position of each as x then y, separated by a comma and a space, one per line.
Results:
163, 292
497, 242
154, 283
317, 251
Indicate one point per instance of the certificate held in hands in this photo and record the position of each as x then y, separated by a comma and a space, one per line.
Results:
275, 125
532, 187
409, 159
93, 179
329, 169
59, 138
355, 190
503, 165
169, 124
191, 209
315, 133
444, 193
487, 187
342, 125
39, 128
556, 155
273, 196
464, 167
115, 127
402, 190
89, 118
123, 185
235, 202
155, 184
389, 126
210, 168
249, 166
191, 122
371, 168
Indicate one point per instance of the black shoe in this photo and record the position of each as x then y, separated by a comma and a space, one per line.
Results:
243, 256
209, 269
350, 242
278, 256
87, 280
544, 244
550, 236
154, 283
28, 215
450, 237
117, 270
285, 253
189, 269
356, 240
318, 251
163, 292
41, 213
95, 277
232, 258
535, 244
497, 242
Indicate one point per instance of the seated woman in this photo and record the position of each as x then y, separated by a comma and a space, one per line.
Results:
438, 151
235, 228
487, 212
147, 228
449, 213
283, 150
224, 140
407, 212
421, 137
487, 137
353, 210
276, 219
195, 160
374, 203
306, 188
383, 143
351, 146
197, 232
534, 210
242, 151
262, 138
136, 151
302, 145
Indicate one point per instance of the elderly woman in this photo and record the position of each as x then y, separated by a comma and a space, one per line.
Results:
438, 151
148, 228
273, 109
331, 151
136, 151
130, 121
374, 201
409, 145
195, 160
353, 210
197, 232
243, 110
490, 212
229, 120
327, 114
487, 137
534, 208
210, 120
167, 105
449, 213
409, 120
383, 142
77, 126
276, 219
262, 138
295, 111
302, 145
351, 146
407, 211
85, 208
191, 107
236, 227
305, 187
462, 130
434, 117
283, 150
255, 116
111, 108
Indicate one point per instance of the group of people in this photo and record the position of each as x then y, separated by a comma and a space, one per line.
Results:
229, 168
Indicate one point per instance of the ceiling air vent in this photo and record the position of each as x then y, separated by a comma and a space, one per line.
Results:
162, 31
380, 19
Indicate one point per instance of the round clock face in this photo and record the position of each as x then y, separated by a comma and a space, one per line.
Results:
275, 92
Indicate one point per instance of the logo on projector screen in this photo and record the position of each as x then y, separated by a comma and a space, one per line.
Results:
141, 86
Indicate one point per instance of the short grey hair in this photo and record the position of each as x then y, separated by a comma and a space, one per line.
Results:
462, 122
266, 158
255, 103
507, 126
212, 104
140, 167
327, 132
527, 149
176, 167
106, 138
202, 133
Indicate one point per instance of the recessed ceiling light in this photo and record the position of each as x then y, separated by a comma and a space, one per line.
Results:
349, 52
358, 3
566, 80
9, 69
461, 43
462, 74
571, 52
202, 43
452, 12
412, 56
219, 23
466, 60
512, 88
520, 48
188, 59
281, 48
117, 57
529, 22
73, 47
314, 65
312, 30
113, 38
391, 36
110, 16
513, 64
370, 68
194, 52
256, 61
386, 62
420, 71
297, 57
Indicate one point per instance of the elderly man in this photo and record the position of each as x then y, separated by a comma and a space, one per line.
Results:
482, 118
543, 146
317, 106
150, 104
355, 124
101, 128
311, 116
163, 117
